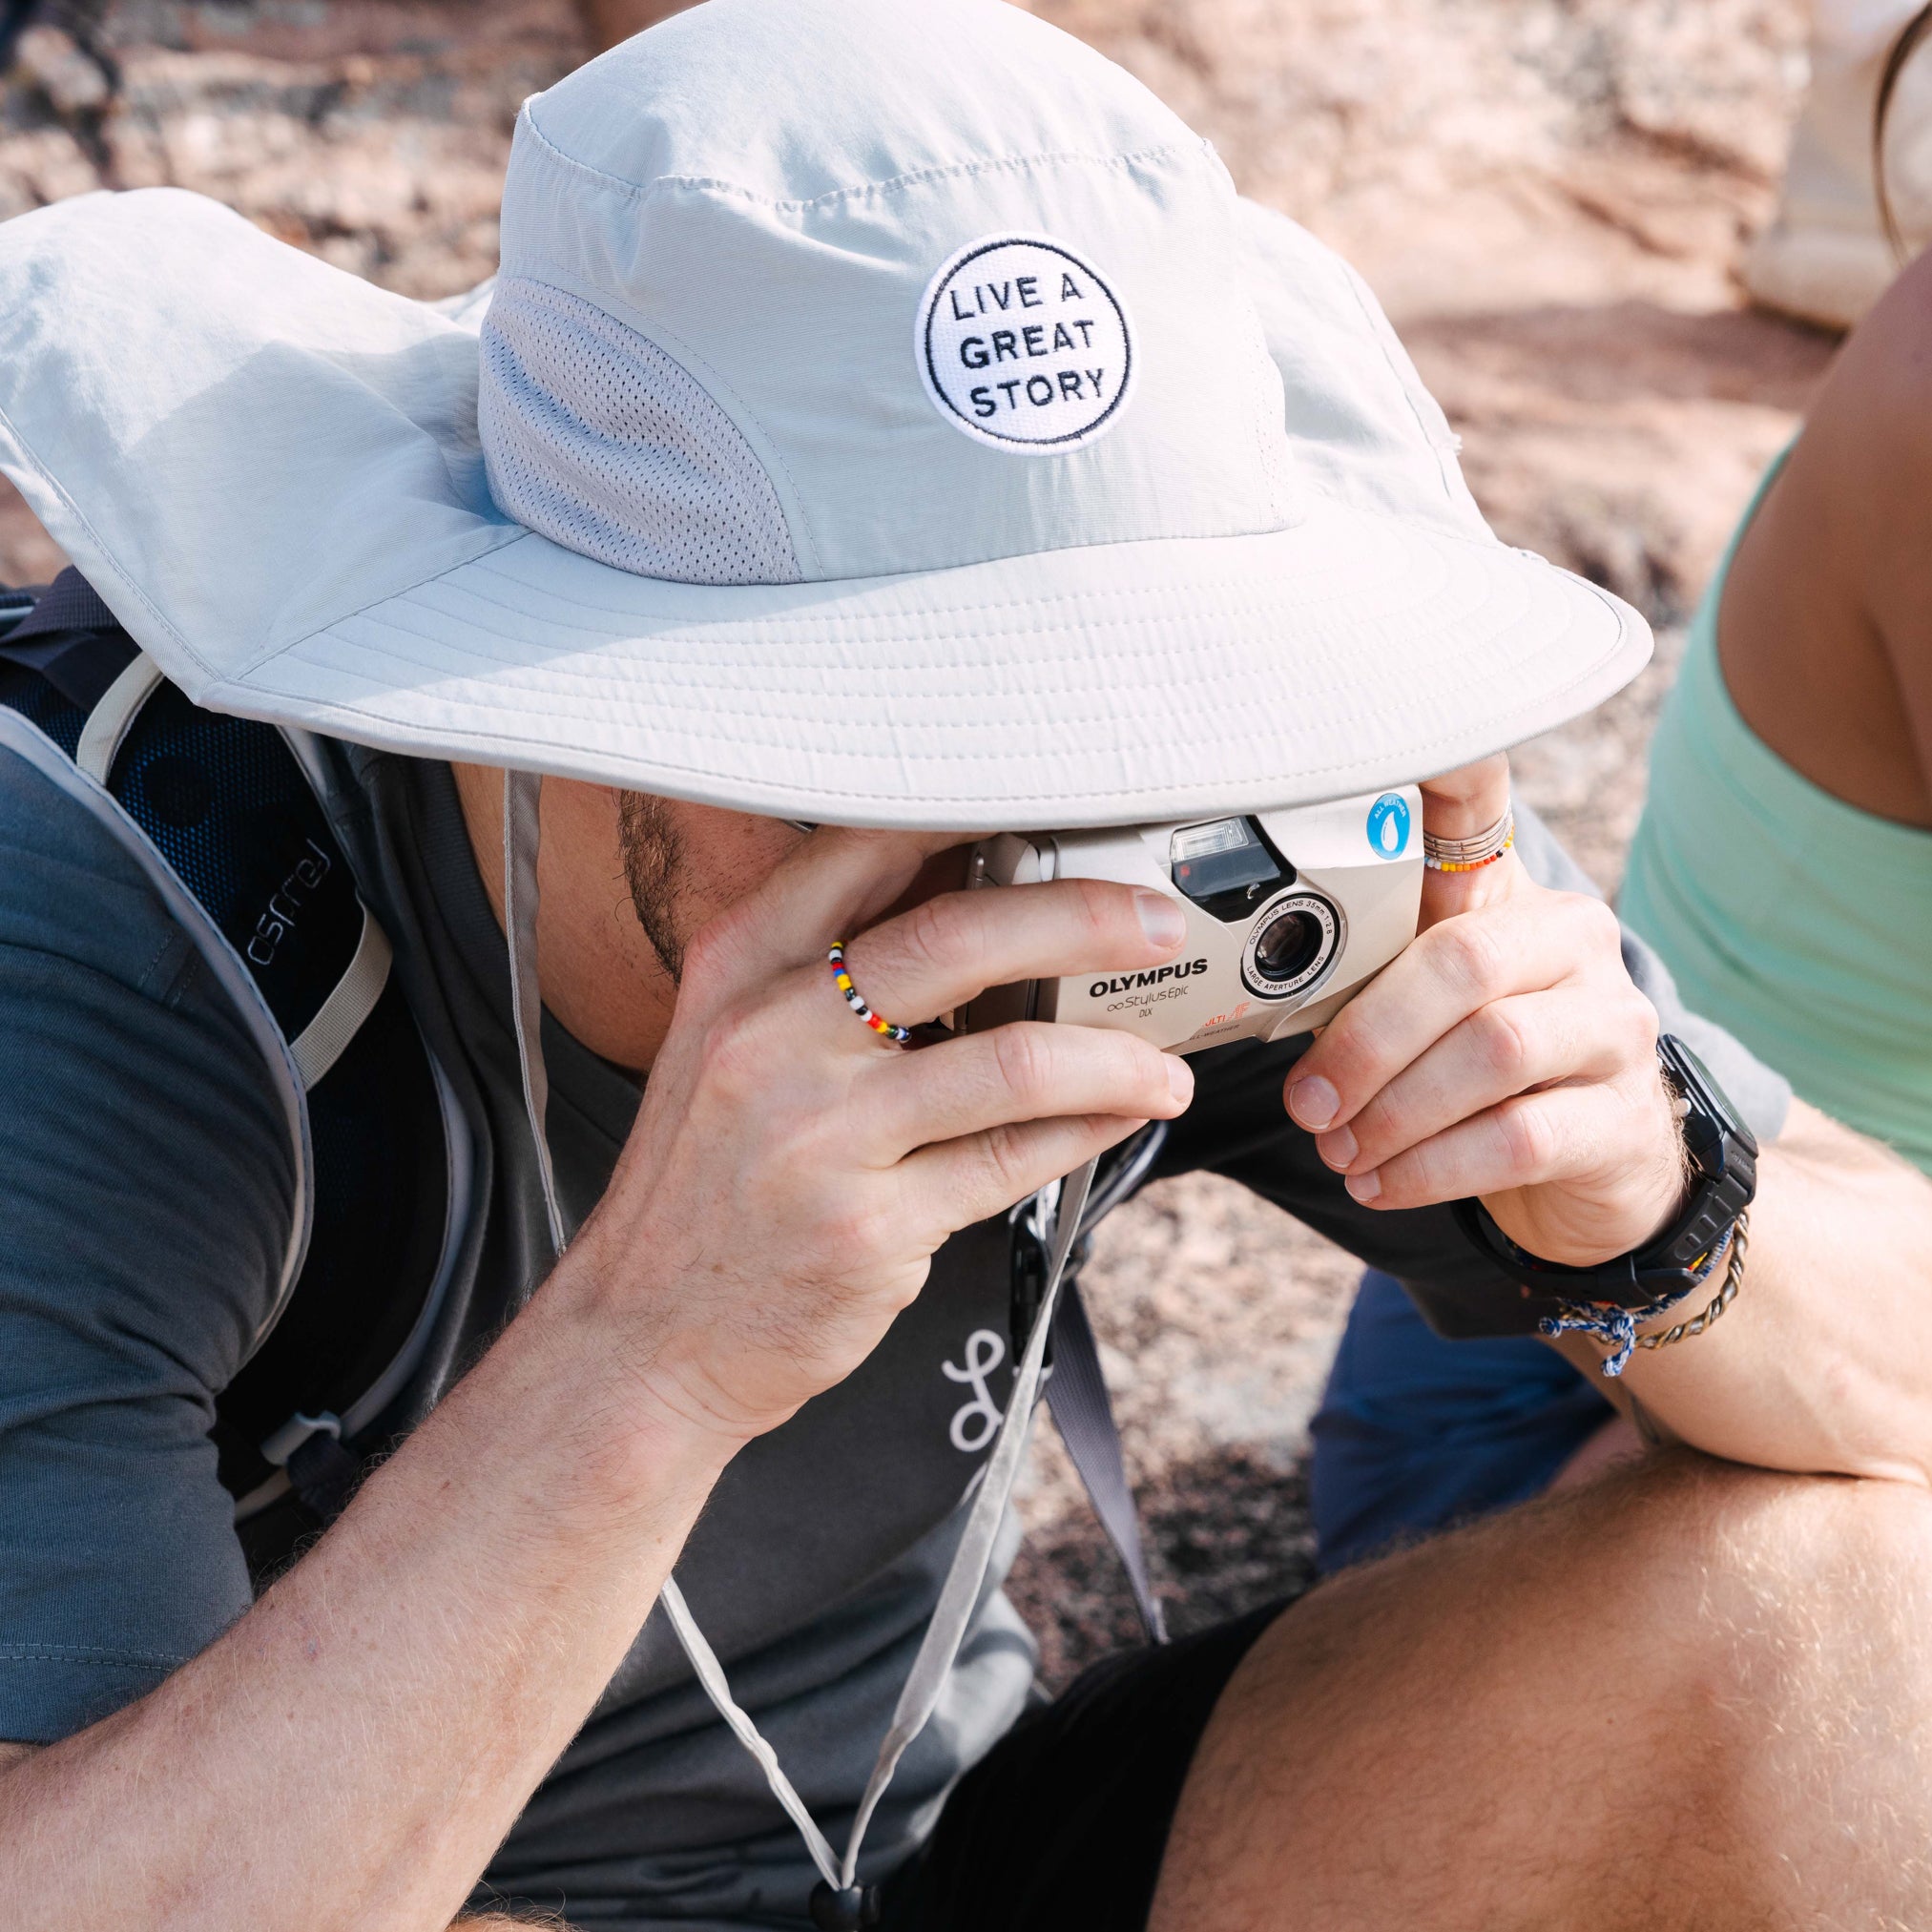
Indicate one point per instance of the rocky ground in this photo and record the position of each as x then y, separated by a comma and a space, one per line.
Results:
1550, 197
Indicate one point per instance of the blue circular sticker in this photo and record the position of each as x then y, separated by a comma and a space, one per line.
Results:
1388, 825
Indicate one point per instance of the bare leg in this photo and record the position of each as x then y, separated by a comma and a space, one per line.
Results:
1688, 1695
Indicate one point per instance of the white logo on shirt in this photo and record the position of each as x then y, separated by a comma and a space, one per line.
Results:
1021, 345
977, 1422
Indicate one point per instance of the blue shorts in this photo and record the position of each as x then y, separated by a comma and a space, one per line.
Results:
1416, 1433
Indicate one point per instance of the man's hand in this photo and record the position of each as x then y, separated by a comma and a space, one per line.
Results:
1506, 1054
790, 1173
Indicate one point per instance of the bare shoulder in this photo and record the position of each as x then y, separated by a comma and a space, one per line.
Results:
1825, 635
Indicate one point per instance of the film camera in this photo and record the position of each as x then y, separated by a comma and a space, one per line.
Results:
1288, 913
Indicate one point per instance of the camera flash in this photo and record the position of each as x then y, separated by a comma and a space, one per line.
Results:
1200, 842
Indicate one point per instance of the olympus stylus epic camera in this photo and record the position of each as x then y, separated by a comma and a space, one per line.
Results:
1288, 913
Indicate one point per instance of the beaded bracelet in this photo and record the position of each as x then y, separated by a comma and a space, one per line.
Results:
1616, 1328
1733, 1277
1469, 855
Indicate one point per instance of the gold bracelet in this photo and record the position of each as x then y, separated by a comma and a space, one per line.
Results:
1734, 1275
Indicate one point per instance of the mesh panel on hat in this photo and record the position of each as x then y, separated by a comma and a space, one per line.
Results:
598, 440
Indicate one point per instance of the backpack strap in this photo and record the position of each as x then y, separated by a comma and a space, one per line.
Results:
339, 1017
224, 820
42, 721
108, 723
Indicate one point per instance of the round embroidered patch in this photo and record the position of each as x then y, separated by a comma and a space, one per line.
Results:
1022, 345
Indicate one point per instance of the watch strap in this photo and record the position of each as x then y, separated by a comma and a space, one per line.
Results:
1723, 1158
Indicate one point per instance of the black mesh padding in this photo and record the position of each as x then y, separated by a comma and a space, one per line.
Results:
79, 664
37, 701
228, 808
54, 676
55, 680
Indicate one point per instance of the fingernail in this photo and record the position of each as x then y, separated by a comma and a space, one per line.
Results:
1163, 922
1338, 1149
1180, 1079
1365, 1187
1313, 1101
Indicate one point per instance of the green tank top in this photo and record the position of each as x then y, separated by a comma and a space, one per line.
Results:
1799, 923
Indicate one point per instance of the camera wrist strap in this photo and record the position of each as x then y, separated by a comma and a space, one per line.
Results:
966, 1574
1083, 1414
1076, 1390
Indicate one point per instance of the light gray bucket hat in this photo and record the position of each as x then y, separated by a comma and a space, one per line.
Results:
886, 414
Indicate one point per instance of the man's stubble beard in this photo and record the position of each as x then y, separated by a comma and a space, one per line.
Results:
654, 857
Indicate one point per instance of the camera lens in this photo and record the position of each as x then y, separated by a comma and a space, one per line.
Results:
1292, 944
1288, 945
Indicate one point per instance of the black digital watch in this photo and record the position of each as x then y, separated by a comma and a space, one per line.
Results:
1724, 1177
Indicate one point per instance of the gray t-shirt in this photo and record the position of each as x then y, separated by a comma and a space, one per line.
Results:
145, 1195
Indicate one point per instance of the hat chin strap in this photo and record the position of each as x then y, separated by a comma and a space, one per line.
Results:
966, 1574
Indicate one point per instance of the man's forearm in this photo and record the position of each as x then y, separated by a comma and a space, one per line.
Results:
354, 1747
1823, 1363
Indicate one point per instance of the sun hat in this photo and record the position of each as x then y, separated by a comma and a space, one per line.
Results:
884, 415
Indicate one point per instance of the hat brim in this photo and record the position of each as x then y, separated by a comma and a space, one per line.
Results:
1109, 684
269, 469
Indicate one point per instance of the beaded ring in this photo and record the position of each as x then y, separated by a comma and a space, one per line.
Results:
1469, 855
842, 978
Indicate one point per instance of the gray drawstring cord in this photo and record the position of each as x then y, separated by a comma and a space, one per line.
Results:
522, 837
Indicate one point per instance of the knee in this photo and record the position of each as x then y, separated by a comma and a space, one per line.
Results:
1796, 1723
1786, 1592
1834, 1541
